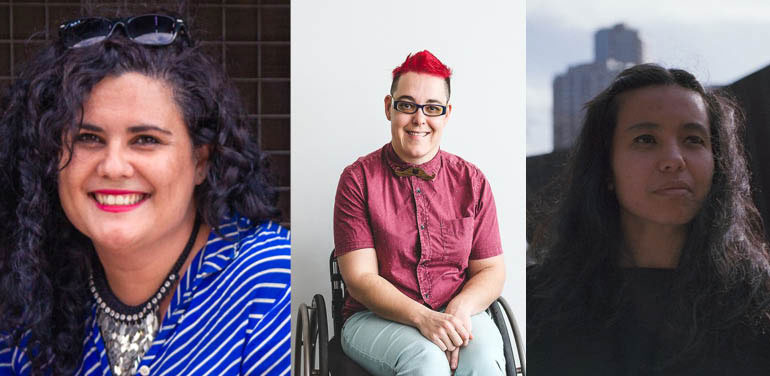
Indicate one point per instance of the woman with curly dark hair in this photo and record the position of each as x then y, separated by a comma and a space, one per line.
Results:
653, 261
135, 224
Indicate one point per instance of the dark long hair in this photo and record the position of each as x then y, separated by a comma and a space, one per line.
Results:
44, 260
723, 277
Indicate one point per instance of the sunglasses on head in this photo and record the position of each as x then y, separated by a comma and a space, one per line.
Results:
148, 29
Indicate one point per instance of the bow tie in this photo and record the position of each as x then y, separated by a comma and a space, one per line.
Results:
414, 171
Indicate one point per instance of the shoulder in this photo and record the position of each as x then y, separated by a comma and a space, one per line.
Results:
457, 164
244, 254
367, 162
264, 246
257, 272
464, 173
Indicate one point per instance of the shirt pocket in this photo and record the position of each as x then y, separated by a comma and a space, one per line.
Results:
457, 238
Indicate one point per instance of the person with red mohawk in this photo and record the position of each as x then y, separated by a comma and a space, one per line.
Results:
418, 244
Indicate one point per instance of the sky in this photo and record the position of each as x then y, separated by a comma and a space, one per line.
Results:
717, 43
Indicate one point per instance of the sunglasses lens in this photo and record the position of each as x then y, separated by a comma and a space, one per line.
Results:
151, 29
85, 32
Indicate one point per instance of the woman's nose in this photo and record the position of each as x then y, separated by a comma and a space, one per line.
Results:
114, 163
419, 117
672, 159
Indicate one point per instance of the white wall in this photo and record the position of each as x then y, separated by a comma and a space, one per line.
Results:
342, 53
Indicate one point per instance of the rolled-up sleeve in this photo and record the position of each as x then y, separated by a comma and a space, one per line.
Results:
352, 229
486, 231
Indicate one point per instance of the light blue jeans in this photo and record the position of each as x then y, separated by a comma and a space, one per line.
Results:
386, 348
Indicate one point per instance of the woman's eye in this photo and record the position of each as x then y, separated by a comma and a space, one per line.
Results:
644, 139
87, 138
146, 140
695, 140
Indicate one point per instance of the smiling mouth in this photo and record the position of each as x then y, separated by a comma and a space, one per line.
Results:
119, 200
420, 134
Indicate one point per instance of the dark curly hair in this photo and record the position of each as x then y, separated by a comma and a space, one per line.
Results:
723, 277
44, 260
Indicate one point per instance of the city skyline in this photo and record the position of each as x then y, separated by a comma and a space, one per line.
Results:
615, 48
679, 35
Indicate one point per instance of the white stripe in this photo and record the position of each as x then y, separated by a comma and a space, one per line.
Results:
181, 346
25, 367
235, 346
275, 332
268, 371
285, 304
15, 356
92, 369
267, 354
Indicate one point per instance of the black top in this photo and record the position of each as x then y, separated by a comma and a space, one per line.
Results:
637, 341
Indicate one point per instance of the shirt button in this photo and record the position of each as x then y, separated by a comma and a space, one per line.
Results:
144, 370
422, 227
418, 190
427, 296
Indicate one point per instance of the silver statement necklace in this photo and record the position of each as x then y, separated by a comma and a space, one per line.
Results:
128, 331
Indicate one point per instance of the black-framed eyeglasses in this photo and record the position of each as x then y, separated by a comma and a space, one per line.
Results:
148, 29
430, 109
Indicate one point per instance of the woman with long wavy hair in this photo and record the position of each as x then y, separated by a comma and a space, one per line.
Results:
653, 260
135, 224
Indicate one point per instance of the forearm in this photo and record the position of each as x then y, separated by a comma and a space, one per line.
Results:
384, 299
482, 288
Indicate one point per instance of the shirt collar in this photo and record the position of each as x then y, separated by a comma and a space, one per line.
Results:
431, 167
221, 249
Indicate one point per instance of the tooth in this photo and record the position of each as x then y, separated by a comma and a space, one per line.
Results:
110, 200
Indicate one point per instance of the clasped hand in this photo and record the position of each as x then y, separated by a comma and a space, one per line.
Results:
448, 330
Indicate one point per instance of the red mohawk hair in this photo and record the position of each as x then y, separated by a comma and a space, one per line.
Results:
423, 62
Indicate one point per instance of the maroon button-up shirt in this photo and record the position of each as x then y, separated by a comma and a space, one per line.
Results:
424, 232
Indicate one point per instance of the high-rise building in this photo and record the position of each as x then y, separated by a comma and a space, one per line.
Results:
618, 43
615, 49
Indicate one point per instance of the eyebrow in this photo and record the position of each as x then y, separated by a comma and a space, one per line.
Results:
135, 129
432, 101
696, 127
651, 126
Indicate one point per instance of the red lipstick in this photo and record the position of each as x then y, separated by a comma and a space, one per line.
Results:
118, 208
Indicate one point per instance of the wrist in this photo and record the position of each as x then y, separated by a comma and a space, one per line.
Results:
458, 304
419, 316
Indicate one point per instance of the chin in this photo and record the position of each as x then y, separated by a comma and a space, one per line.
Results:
115, 239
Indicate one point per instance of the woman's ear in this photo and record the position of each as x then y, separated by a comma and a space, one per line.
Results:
201, 155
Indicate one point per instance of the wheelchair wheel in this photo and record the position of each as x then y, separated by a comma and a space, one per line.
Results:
519, 345
311, 334
320, 333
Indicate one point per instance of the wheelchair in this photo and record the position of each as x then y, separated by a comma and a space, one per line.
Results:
312, 337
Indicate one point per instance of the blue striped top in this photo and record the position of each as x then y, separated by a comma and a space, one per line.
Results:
230, 314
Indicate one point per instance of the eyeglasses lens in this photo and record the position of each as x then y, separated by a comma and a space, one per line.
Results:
432, 110
87, 32
406, 107
152, 29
